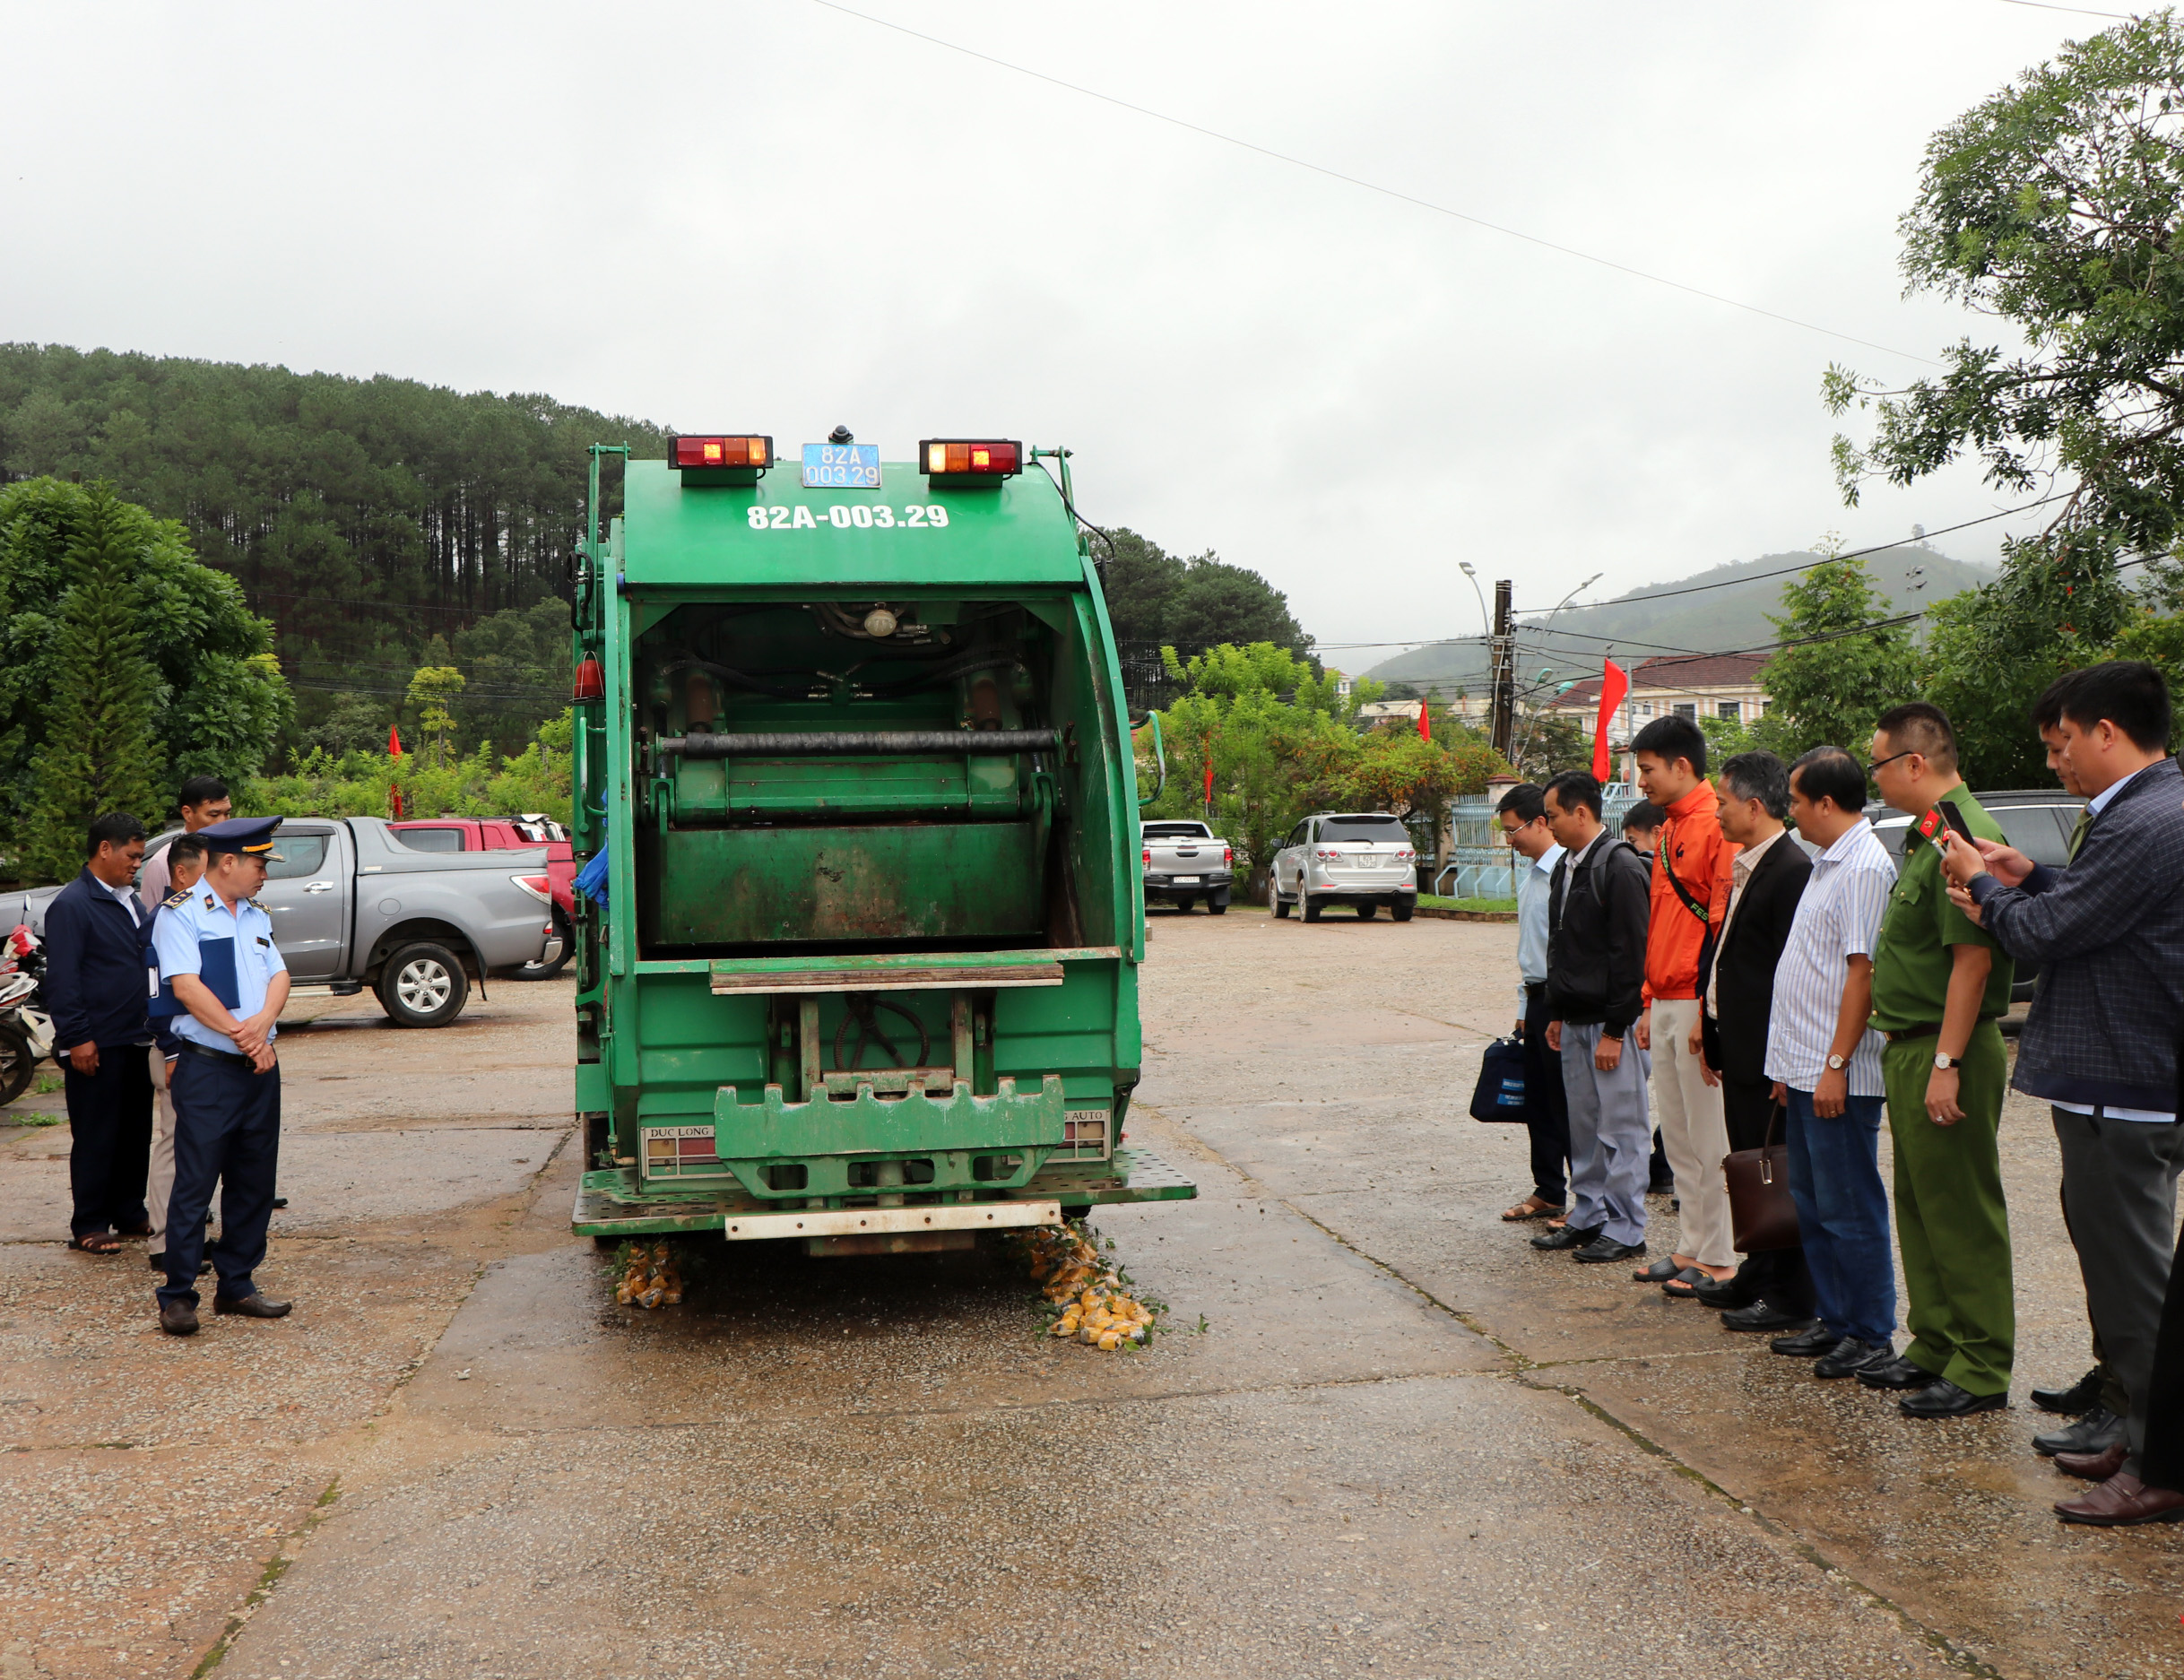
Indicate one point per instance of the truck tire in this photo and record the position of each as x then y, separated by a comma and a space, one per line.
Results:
1185, 903
547, 971
1312, 909
1401, 908
1367, 911
423, 985
1218, 905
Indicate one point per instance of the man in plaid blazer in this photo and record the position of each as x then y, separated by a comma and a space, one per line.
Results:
2100, 1045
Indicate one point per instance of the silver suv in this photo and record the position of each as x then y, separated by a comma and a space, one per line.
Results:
1361, 859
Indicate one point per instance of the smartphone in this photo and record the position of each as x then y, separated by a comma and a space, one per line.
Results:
1955, 819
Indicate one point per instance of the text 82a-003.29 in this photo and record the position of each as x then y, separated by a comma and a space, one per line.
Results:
857, 516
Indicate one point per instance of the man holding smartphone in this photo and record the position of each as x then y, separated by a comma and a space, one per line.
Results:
1939, 985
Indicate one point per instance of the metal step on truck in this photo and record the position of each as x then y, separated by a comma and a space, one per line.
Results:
857, 962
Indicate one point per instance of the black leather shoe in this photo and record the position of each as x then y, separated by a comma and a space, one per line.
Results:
1569, 1236
1898, 1372
1724, 1294
2095, 1433
252, 1306
177, 1318
1942, 1398
1604, 1249
1760, 1316
1810, 1344
1851, 1357
2079, 1397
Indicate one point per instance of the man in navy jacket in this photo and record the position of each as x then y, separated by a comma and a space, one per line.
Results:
98, 991
2100, 1045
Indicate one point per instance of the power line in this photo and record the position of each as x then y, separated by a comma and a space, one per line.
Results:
2044, 5
1375, 186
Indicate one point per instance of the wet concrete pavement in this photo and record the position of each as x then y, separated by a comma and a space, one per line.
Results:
1404, 1444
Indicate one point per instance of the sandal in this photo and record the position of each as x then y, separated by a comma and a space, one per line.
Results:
1684, 1284
1531, 1207
96, 1242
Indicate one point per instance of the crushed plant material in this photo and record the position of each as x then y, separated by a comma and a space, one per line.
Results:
1090, 1297
650, 1276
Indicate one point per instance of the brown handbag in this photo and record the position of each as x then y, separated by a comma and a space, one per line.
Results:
1762, 1215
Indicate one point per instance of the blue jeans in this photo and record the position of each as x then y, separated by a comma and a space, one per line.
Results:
1843, 1214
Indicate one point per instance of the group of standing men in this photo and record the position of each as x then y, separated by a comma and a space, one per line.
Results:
164, 993
1762, 987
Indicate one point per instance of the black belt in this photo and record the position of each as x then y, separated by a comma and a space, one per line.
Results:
197, 1049
1534, 988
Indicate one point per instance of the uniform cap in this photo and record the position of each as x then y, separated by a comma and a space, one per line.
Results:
251, 836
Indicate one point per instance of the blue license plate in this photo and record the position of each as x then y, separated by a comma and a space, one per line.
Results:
841, 466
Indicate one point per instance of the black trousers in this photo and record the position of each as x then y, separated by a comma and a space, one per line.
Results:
227, 1129
1550, 1107
2161, 1464
109, 1150
1776, 1275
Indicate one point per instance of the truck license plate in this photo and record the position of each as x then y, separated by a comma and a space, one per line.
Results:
1185, 881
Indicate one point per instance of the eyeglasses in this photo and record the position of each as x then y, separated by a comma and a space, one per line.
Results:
1908, 752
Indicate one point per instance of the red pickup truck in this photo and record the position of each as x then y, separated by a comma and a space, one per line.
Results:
508, 834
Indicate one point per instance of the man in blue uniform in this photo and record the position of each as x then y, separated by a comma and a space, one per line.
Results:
217, 953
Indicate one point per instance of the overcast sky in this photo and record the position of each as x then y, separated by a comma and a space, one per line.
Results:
767, 213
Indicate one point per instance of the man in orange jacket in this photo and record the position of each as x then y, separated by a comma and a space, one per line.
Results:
1690, 869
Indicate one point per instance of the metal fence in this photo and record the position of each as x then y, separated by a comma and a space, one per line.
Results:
1481, 864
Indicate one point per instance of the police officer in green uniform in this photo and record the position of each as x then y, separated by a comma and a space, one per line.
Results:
1940, 983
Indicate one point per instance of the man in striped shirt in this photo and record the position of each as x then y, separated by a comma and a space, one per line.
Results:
1826, 1061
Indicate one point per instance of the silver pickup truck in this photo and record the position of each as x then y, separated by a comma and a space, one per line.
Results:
352, 907
1185, 862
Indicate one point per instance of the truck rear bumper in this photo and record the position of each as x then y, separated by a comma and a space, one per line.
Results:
609, 1204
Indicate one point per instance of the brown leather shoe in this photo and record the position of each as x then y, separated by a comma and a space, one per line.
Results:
2092, 1467
178, 1318
252, 1306
2121, 1501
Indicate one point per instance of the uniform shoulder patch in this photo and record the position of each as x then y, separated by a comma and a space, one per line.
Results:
254, 904
208, 901
176, 901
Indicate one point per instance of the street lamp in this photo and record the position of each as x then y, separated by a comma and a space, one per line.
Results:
1545, 626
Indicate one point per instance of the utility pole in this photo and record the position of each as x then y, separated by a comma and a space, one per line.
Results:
1504, 644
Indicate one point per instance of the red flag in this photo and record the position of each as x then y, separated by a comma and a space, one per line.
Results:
393, 795
1209, 778
1426, 723
1615, 683
393, 741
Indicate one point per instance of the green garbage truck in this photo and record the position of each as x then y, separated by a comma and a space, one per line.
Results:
858, 945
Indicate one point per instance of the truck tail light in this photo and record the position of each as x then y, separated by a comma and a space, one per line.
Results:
970, 458
1148, 857
591, 680
684, 453
1228, 856
540, 887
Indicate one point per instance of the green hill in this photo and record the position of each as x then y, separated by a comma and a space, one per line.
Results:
1660, 620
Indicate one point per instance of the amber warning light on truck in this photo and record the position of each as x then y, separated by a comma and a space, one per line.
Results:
955, 457
721, 452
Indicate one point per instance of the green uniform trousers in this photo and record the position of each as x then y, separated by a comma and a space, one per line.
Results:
1951, 1223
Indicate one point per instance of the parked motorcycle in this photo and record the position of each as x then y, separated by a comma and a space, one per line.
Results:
26, 1031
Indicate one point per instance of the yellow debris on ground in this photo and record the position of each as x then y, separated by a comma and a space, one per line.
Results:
650, 1277
1094, 1301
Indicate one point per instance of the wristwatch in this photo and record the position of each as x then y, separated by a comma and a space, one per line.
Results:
1941, 1063
1835, 1064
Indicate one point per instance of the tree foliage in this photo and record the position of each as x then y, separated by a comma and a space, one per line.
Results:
2054, 205
99, 753
1842, 664
1282, 743
1158, 600
362, 516
482, 783
217, 698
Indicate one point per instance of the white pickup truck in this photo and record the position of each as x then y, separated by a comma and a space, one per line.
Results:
1185, 862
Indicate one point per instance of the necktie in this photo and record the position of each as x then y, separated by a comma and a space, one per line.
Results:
2077, 835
